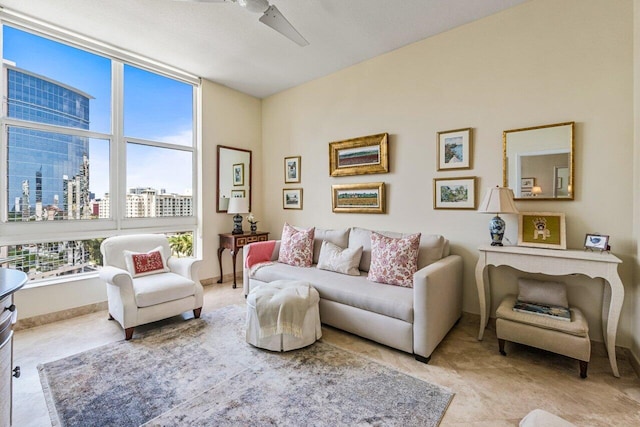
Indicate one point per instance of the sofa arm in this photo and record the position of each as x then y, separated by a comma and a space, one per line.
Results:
437, 303
185, 267
247, 270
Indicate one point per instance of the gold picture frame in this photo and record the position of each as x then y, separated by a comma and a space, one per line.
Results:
359, 156
455, 149
455, 193
292, 169
359, 198
292, 198
542, 230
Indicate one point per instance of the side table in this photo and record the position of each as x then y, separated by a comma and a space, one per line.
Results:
234, 242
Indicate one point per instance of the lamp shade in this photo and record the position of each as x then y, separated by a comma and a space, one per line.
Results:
238, 205
498, 200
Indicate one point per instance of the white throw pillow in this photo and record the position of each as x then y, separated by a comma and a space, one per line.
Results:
335, 258
146, 263
545, 293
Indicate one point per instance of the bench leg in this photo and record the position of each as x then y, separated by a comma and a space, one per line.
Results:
583, 368
501, 346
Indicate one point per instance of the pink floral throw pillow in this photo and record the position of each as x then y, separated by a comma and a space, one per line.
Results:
394, 260
296, 247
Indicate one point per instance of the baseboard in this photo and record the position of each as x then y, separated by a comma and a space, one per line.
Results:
43, 319
226, 278
633, 359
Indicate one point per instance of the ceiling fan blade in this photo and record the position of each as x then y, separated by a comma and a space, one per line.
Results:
276, 20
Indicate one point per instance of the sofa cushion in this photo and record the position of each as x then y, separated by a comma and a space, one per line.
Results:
334, 258
356, 291
159, 288
394, 260
296, 247
146, 263
337, 237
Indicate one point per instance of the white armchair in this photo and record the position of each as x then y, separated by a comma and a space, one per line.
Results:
143, 298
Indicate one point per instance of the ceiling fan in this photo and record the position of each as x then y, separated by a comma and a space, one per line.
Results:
271, 17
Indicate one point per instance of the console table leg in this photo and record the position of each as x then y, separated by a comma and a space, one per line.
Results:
220, 250
234, 254
612, 300
482, 296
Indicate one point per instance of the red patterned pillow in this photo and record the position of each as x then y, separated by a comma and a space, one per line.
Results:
143, 264
394, 260
296, 246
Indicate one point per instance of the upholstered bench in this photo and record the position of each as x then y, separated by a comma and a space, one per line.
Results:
283, 315
569, 338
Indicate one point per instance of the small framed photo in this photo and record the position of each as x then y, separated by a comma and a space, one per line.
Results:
596, 242
292, 198
527, 183
238, 193
358, 198
455, 149
454, 193
542, 230
359, 156
292, 169
238, 174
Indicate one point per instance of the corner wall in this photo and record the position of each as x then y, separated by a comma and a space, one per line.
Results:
538, 63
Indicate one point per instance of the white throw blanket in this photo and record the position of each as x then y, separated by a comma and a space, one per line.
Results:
281, 307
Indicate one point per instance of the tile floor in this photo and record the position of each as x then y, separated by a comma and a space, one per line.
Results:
491, 390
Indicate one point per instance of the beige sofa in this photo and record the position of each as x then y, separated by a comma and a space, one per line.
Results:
413, 320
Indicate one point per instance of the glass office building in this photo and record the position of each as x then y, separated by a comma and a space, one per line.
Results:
47, 171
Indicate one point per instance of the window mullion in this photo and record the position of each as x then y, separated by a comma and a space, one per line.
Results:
117, 196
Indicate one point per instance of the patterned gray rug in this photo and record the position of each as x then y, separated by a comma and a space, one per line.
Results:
202, 373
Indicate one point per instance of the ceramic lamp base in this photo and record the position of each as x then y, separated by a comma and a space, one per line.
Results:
237, 224
496, 229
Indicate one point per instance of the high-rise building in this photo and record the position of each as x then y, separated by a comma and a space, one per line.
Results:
41, 158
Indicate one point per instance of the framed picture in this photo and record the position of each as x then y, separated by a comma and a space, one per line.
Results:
238, 174
358, 198
359, 156
596, 241
542, 230
455, 149
238, 193
292, 169
454, 193
292, 198
527, 183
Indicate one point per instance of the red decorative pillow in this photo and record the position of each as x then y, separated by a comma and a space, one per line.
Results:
296, 246
143, 264
394, 260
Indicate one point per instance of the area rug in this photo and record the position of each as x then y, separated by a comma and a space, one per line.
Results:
202, 373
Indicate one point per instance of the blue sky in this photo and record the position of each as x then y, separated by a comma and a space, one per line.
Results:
156, 108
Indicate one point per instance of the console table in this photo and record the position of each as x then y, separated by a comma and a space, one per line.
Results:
557, 263
234, 242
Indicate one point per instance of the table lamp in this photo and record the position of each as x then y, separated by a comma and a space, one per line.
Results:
497, 200
237, 206
536, 190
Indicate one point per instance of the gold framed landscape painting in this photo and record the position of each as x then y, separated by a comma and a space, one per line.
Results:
542, 230
359, 156
358, 198
454, 193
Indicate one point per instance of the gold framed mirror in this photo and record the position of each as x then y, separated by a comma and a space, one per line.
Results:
234, 176
537, 162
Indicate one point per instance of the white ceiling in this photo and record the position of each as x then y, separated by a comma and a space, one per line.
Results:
224, 43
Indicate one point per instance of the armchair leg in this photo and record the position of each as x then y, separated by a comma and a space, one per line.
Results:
128, 334
196, 312
501, 346
583, 368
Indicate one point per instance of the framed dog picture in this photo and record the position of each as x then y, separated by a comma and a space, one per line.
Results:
542, 230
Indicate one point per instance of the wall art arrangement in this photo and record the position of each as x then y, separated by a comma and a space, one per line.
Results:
359, 198
292, 198
359, 156
455, 149
542, 230
454, 193
292, 169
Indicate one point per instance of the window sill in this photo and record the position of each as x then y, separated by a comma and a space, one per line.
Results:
61, 280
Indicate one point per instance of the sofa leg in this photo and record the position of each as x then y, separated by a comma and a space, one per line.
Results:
422, 358
583, 368
501, 346
196, 312
110, 316
128, 333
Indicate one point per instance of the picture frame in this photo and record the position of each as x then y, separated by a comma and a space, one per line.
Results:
542, 230
238, 174
238, 193
359, 198
292, 169
455, 149
359, 156
598, 242
292, 198
455, 193
526, 184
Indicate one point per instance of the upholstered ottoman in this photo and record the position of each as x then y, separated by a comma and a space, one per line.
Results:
558, 336
283, 315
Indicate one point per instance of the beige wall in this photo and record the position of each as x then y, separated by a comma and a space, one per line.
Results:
635, 294
539, 63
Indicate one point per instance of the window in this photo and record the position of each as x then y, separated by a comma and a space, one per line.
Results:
71, 158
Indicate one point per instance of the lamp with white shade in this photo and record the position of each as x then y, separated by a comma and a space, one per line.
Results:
498, 200
237, 206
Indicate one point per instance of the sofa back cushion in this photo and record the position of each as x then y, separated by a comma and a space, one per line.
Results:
337, 237
296, 247
432, 246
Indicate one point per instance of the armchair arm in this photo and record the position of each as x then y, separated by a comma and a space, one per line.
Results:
437, 302
116, 276
186, 267
246, 251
